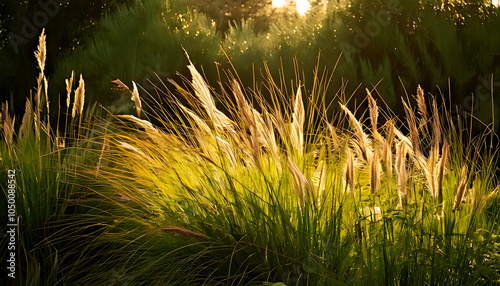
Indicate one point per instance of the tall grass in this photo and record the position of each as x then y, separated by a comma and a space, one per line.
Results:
239, 188
44, 159
274, 191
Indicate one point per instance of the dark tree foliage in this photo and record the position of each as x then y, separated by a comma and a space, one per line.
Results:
65, 22
226, 12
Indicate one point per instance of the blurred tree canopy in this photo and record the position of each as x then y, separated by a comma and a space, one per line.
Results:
21, 22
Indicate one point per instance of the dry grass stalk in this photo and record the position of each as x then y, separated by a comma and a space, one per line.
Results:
69, 87
333, 136
227, 150
300, 182
79, 98
136, 99
402, 137
182, 231
46, 88
436, 125
148, 126
460, 187
401, 153
8, 124
298, 118
119, 85
430, 171
387, 148
243, 107
264, 135
200, 124
422, 107
105, 147
372, 105
27, 118
41, 52
443, 161
410, 115
349, 172
202, 91
261, 132
318, 179
362, 139
375, 173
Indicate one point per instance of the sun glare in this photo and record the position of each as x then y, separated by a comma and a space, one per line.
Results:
302, 6
279, 3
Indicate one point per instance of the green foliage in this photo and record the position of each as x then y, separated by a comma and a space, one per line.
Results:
387, 46
262, 197
67, 22
139, 42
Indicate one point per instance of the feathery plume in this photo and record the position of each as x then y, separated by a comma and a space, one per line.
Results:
119, 85
27, 118
318, 179
333, 136
8, 124
198, 122
148, 126
298, 118
387, 148
440, 170
430, 171
436, 125
422, 107
401, 152
375, 173
227, 150
299, 180
410, 115
41, 52
79, 98
201, 90
349, 171
363, 142
243, 107
372, 105
135, 98
69, 86
460, 187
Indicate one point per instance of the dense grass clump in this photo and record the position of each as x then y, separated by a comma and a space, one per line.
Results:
240, 189
277, 192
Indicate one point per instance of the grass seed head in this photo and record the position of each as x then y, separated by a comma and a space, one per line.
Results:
69, 87
387, 148
372, 104
361, 138
41, 52
401, 153
422, 107
79, 98
412, 124
8, 124
27, 119
443, 161
136, 99
375, 172
298, 118
349, 171
436, 125
460, 187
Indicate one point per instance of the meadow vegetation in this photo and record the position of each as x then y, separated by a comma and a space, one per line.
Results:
251, 186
